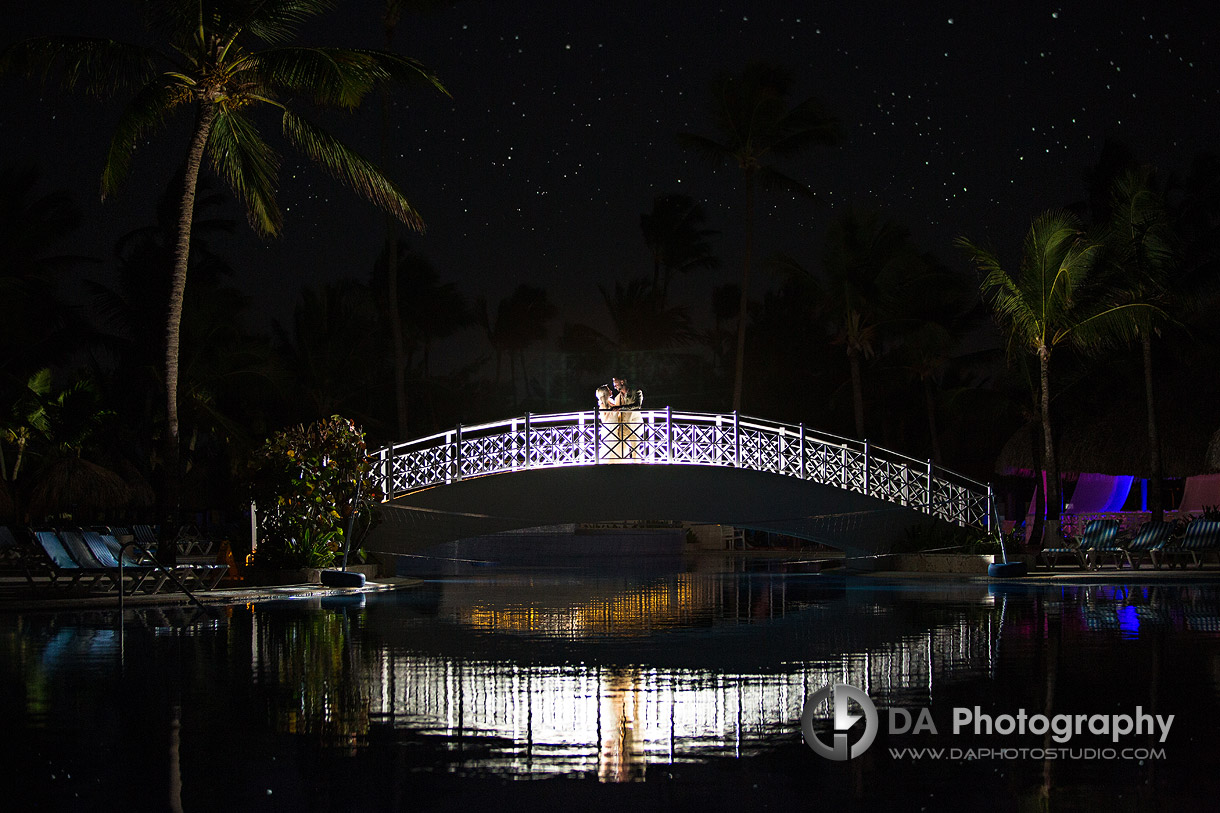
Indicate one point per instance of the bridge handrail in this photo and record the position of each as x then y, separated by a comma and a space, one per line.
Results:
666, 436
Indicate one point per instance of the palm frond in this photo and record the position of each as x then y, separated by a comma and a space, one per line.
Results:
808, 124
341, 77
250, 167
347, 166
771, 178
708, 148
402, 70
275, 21
146, 111
328, 76
101, 67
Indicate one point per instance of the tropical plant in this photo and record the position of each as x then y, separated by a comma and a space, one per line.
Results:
676, 239
312, 485
871, 272
755, 126
329, 352
1052, 300
520, 321
391, 17
642, 320
429, 310
1142, 254
213, 64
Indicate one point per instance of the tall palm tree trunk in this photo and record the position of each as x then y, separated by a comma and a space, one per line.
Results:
1050, 531
857, 391
929, 400
172, 493
739, 366
1156, 500
399, 348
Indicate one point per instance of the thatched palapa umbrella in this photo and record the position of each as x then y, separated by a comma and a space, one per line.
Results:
71, 485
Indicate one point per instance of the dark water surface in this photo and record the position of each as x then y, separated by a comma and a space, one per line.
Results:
665, 682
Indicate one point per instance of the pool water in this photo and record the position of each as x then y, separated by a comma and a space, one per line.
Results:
665, 682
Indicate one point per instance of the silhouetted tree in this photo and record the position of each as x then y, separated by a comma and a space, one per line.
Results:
754, 127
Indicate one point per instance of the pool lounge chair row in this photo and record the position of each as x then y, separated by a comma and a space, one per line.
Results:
72, 557
1101, 541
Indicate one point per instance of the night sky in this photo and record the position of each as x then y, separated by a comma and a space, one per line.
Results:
957, 119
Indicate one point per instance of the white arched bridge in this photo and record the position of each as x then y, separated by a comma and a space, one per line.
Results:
661, 464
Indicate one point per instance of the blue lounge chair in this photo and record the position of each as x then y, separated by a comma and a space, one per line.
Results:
60, 563
106, 550
1100, 539
1202, 537
1149, 539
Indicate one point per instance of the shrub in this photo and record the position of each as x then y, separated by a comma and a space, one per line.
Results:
306, 483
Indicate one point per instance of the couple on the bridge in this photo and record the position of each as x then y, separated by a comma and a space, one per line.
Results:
622, 423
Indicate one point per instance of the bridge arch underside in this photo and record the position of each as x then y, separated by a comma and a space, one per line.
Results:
849, 521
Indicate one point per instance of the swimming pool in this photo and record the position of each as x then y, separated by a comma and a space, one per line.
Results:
664, 683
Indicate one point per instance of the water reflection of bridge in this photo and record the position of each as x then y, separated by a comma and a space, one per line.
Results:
548, 693
616, 719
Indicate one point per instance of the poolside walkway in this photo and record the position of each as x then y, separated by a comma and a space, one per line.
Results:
16, 595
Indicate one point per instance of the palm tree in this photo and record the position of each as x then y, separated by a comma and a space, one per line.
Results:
223, 61
328, 349
520, 321
754, 126
1053, 300
676, 239
392, 15
870, 271
641, 319
428, 310
1142, 251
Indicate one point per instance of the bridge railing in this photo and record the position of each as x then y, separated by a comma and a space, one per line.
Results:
665, 436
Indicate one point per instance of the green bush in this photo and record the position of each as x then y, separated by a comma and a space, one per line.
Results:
306, 482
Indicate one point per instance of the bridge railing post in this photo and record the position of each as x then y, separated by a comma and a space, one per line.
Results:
457, 454
928, 501
597, 436
802, 445
867, 473
527, 440
736, 439
993, 514
669, 434
386, 483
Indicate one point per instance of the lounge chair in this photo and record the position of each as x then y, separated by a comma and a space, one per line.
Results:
106, 549
203, 575
1202, 537
1068, 547
87, 548
60, 563
1100, 539
9, 549
1149, 539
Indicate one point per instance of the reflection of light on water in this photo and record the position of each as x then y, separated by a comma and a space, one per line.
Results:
614, 721
631, 612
